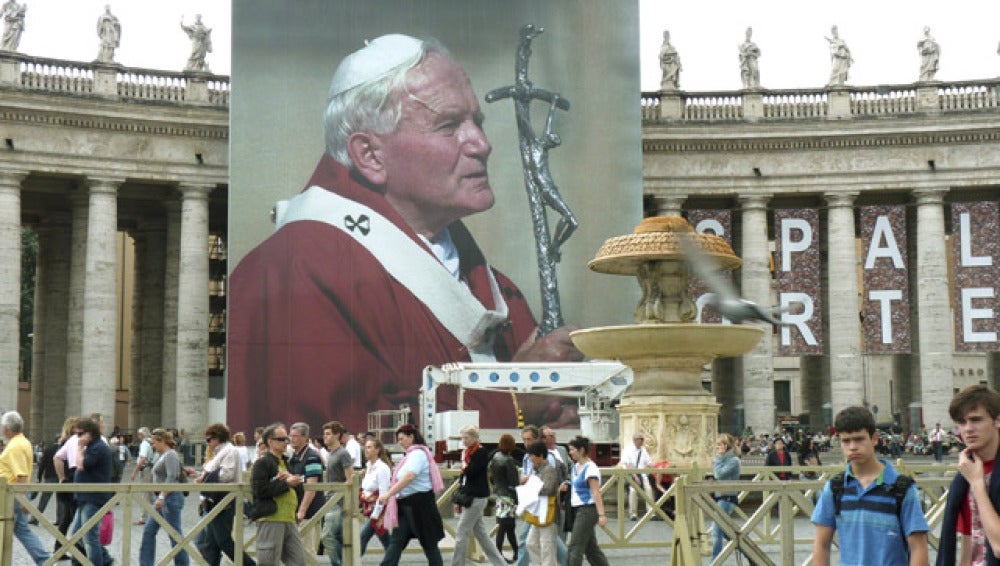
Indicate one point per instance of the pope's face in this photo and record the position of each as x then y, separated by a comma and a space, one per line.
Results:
435, 161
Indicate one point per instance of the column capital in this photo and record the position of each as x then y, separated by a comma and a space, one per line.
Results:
930, 196
103, 184
754, 201
669, 205
12, 177
840, 199
195, 190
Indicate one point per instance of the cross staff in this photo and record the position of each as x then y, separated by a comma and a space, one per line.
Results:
538, 182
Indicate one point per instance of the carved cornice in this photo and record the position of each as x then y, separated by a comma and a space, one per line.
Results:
129, 125
823, 142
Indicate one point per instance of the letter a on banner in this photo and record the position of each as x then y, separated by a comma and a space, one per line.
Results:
885, 310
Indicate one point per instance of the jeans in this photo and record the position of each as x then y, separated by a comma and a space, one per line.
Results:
173, 505
470, 523
333, 535
96, 552
718, 536
367, 532
583, 540
522, 540
28, 537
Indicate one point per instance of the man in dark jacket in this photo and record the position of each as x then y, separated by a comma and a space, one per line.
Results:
94, 464
976, 411
778, 457
275, 503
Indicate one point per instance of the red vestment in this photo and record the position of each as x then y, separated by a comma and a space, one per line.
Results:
319, 331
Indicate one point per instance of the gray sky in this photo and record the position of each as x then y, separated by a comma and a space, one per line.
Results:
882, 36
151, 33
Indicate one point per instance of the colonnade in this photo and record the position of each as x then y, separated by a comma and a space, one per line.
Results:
76, 346
838, 377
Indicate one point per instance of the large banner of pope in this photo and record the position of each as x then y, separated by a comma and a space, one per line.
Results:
379, 221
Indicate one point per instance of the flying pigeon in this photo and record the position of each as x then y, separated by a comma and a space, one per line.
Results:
724, 297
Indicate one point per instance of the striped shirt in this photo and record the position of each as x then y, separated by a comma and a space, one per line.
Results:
869, 528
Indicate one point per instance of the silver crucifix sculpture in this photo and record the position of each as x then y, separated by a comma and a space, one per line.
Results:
542, 190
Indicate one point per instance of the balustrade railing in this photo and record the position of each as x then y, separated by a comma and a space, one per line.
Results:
74, 77
810, 104
770, 525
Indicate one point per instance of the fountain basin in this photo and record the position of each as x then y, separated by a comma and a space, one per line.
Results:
634, 342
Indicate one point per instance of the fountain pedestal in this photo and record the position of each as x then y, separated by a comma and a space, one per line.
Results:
666, 349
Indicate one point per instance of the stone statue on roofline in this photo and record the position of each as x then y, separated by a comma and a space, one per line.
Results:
840, 59
13, 24
670, 64
930, 54
201, 44
749, 71
109, 30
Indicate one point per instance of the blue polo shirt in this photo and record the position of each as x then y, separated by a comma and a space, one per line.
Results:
869, 530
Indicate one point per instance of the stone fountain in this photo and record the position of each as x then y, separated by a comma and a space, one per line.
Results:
666, 348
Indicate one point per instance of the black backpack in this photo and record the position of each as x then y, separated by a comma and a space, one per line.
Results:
897, 490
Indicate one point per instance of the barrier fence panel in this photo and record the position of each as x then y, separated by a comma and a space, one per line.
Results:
770, 524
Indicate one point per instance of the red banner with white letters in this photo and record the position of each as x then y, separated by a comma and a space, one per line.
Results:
720, 223
975, 248
885, 295
797, 266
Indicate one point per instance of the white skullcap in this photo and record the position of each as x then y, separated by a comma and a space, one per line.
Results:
376, 59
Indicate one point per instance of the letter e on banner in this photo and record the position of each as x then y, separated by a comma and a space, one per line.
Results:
975, 248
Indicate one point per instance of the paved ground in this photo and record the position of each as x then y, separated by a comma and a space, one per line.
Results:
650, 532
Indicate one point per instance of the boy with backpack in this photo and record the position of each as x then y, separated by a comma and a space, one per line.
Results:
875, 510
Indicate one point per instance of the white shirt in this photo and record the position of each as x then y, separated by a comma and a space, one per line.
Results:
637, 458
68, 451
377, 476
354, 449
227, 461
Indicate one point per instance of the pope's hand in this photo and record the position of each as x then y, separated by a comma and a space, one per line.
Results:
555, 346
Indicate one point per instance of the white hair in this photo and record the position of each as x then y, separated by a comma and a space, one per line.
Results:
374, 107
471, 430
12, 421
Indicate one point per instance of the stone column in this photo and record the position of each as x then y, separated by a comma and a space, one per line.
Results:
168, 397
100, 300
935, 332
192, 310
38, 330
755, 281
846, 375
55, 261
670, 205
147, 348
10, 285
74, 325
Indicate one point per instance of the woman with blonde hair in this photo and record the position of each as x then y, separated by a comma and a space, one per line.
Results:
726, 468
170, 504
378, 474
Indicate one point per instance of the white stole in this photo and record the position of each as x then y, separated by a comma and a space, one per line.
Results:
451, 302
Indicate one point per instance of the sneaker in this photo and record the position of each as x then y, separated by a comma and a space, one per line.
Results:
33, 521
633, 518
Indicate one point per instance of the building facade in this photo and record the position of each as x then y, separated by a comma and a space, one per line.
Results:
123, 174
870, 214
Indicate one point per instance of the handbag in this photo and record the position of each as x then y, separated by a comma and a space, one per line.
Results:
461, 499
544, 514
107, 528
